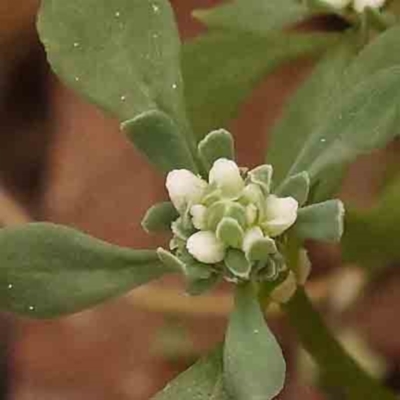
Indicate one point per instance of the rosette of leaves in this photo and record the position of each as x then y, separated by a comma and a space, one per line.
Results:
124, 56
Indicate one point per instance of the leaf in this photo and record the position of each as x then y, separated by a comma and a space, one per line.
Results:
363, 122
157, 137
256, 16
49, 270
254, 367
307, 108
159, 217
122, 54
203, 381
323, 221
314, 106
218, 77
297, 186
217, 144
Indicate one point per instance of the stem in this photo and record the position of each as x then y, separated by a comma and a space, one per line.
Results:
338, 367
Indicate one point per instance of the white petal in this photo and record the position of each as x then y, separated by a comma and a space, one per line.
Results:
285, 291
198, 213
206, 248
184, 188
250, 237
226, 175
280, 214
360, 5
338, 4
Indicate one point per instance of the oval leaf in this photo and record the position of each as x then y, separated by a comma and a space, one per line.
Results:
122, 54
49, 270
158, 138
203, 381
254, 367
323, 221
159, 217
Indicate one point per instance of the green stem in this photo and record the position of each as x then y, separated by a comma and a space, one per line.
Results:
338, 367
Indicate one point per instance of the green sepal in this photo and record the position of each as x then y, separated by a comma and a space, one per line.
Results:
322, 221
198, 287
296, 186
48, 270
159, 217
217, 144
254, 367
261, 249
170, 260
221, 209
262, 176
156, 135
230, 232
238, 264
182, 228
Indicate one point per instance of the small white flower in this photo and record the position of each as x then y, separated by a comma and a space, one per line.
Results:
184, 188
206, 248
226, 175
360, 5
198, 213
285, 291
252, 235
338, 4
280, 214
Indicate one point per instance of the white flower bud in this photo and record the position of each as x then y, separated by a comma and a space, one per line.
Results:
184, 188
338, 4
206, 248
280, 214
361, 5
252, 235
285, 291
226, 175
198, 213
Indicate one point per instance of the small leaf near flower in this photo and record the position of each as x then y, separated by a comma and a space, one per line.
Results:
217, 144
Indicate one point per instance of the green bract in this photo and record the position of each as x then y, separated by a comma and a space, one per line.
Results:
233, 226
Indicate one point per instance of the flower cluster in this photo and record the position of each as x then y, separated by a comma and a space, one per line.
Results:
358, 5
236, 225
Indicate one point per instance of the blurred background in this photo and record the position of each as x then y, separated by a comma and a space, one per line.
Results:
63, 160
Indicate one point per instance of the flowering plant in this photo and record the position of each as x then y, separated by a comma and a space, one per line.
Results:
246, 226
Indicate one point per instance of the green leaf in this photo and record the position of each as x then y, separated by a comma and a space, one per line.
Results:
197, 287
49, 270
257, 16
159, 217
323, 221
218, 77
261, 249
156, 136
308, 108
363, 122
238, 264
297, 186
316, 108
254, 367
203, 381
170, 261
217, 144
122, 54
